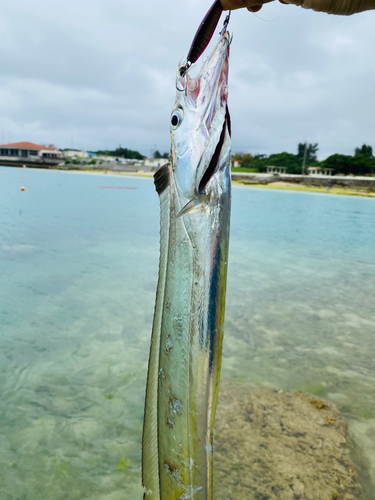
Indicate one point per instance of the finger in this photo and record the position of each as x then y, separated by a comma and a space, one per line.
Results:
241, 4
340, 7
254, 8
299, 3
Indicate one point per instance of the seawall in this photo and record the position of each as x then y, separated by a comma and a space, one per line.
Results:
365, 183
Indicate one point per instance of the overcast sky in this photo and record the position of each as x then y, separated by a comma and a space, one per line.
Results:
93, 74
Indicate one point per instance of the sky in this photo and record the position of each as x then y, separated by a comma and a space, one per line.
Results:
96, 74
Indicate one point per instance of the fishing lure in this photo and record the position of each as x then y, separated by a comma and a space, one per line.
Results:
204, 34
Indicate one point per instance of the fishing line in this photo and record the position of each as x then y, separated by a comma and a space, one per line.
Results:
269, 20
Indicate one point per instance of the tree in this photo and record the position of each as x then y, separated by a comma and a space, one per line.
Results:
157, 154
346, 164
122, 152
246, 160
290, 161
311, 151
301, 149
364, 150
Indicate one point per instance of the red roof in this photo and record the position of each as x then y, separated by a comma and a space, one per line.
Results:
26, 145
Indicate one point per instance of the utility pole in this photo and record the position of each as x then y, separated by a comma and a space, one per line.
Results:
304, 160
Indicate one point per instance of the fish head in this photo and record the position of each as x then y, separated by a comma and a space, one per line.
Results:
198, 121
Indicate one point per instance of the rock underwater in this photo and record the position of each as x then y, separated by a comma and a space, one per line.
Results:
280, 445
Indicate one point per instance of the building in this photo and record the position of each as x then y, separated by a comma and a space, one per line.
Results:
152, 164
73, 153
236, 163
319, 171
276, 170
29, 154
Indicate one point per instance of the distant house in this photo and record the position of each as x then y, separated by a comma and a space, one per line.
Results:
154, 163
105, 158
236, 163
29, 153
319, 171
71, 153
276, 170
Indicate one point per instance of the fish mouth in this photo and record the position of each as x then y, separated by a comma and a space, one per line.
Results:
212, 166
216, 67
198, 147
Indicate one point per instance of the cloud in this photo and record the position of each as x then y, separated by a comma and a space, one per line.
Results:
98, 74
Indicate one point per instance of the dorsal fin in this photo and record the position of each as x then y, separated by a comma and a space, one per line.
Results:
161, 178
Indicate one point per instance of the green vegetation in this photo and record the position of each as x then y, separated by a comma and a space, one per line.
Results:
362, 163
241, 169
157, 154
311, 150
318, 390
73, 162
366, 413
123, 464
108, 396
122, 153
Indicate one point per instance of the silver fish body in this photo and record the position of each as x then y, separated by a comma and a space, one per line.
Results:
186, 344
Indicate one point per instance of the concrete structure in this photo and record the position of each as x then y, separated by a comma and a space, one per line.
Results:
358, 182
152, 164
76, 154
276, 170
106, 158
326, 171
29, 154
319, 171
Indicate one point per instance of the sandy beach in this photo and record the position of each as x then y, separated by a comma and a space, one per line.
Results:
275, 185
309, 189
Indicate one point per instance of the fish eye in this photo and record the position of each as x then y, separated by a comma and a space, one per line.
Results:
176, 118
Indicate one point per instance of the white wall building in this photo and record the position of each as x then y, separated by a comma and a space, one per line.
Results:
76, 154
236, 163
154, 162
25, 150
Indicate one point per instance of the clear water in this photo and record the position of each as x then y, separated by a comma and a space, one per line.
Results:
78, 271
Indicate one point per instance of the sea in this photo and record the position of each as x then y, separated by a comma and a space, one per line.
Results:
78, 270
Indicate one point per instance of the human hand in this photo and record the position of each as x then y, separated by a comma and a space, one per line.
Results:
251, 5
343, 7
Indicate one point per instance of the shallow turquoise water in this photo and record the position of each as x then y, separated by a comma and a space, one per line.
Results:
78, 271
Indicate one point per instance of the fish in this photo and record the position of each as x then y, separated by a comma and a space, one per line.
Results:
194, 191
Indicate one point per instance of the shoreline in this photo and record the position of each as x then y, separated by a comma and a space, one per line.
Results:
283, 185
108, 172
288, 186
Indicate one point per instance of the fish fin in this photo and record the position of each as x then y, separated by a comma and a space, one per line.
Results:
161, 178
150, 446
197, 203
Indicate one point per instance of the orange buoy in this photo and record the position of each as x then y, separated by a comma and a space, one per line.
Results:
22, 188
